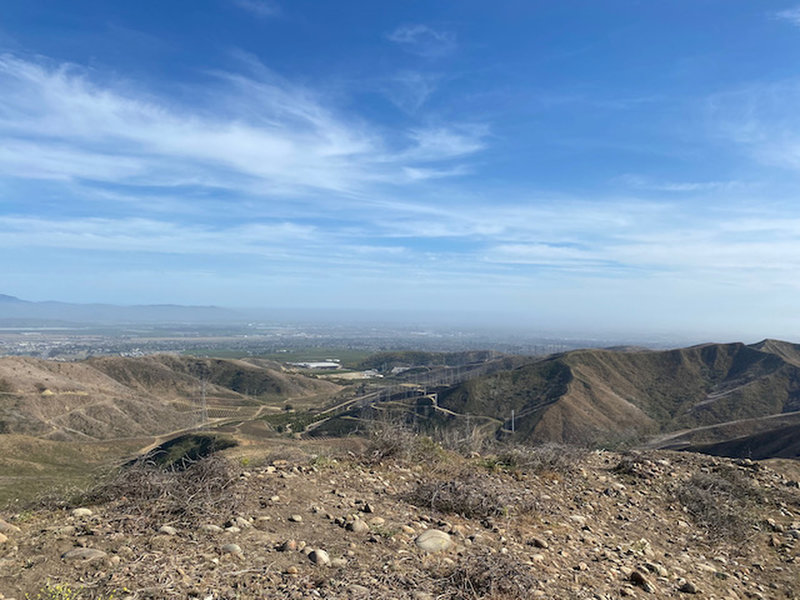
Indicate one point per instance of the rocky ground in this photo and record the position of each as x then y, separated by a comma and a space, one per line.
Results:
404, 518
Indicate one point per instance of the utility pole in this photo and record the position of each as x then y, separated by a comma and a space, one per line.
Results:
203, 374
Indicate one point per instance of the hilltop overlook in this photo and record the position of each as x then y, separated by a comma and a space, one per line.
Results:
176, 476
400, 516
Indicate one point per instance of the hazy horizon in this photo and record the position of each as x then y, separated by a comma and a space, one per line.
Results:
617, 168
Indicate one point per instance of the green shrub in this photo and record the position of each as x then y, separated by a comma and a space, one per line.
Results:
62, 591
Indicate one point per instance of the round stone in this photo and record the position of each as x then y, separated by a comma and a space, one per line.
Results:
357, 526
231, 549
433, 540
319, 557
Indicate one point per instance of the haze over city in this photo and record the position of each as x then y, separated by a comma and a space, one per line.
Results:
617, 167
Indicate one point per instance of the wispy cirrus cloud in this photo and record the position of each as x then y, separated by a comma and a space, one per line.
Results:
251, 131
262, 9
615, 240
423, 40
640, 182
792, 15
761, 120
410, 90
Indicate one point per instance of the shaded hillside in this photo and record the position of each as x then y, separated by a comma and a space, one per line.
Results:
604, 395
107, 398
782, 442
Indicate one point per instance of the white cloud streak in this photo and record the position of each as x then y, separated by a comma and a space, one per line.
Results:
262, 135
263, 9
423, 40
792, 15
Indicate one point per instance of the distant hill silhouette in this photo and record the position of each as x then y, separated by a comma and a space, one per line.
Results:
14, 309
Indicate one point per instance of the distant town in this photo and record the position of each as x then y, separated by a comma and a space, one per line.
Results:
254, 339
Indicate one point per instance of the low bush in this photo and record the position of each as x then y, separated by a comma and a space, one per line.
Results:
486, 575
388, 439
472, 494
723, 501
198, 492
544, 458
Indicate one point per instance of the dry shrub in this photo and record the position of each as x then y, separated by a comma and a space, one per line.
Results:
394, 439
542, 459
201, 491
473, 495
635, 465
463, 442
722, 501
487, 575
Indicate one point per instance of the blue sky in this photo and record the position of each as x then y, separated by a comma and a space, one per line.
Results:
616, 166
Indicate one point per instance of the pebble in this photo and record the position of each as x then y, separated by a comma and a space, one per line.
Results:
687, 587
433, 540
637, 578
358, 591
82, 512
288, 546
168, 529
357, 526
319, 557
231, 549
296, 518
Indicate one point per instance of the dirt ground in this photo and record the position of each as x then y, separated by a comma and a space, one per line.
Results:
561, 525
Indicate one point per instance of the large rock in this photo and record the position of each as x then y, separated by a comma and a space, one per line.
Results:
83, 554
6, 527
433, 540
82, 512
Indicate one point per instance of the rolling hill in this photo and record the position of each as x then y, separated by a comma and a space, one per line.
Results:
606, 395
110, 397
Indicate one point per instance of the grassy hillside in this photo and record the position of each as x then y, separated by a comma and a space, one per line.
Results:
596, 395
112, 397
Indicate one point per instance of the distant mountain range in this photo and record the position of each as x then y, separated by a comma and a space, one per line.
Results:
14, 309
